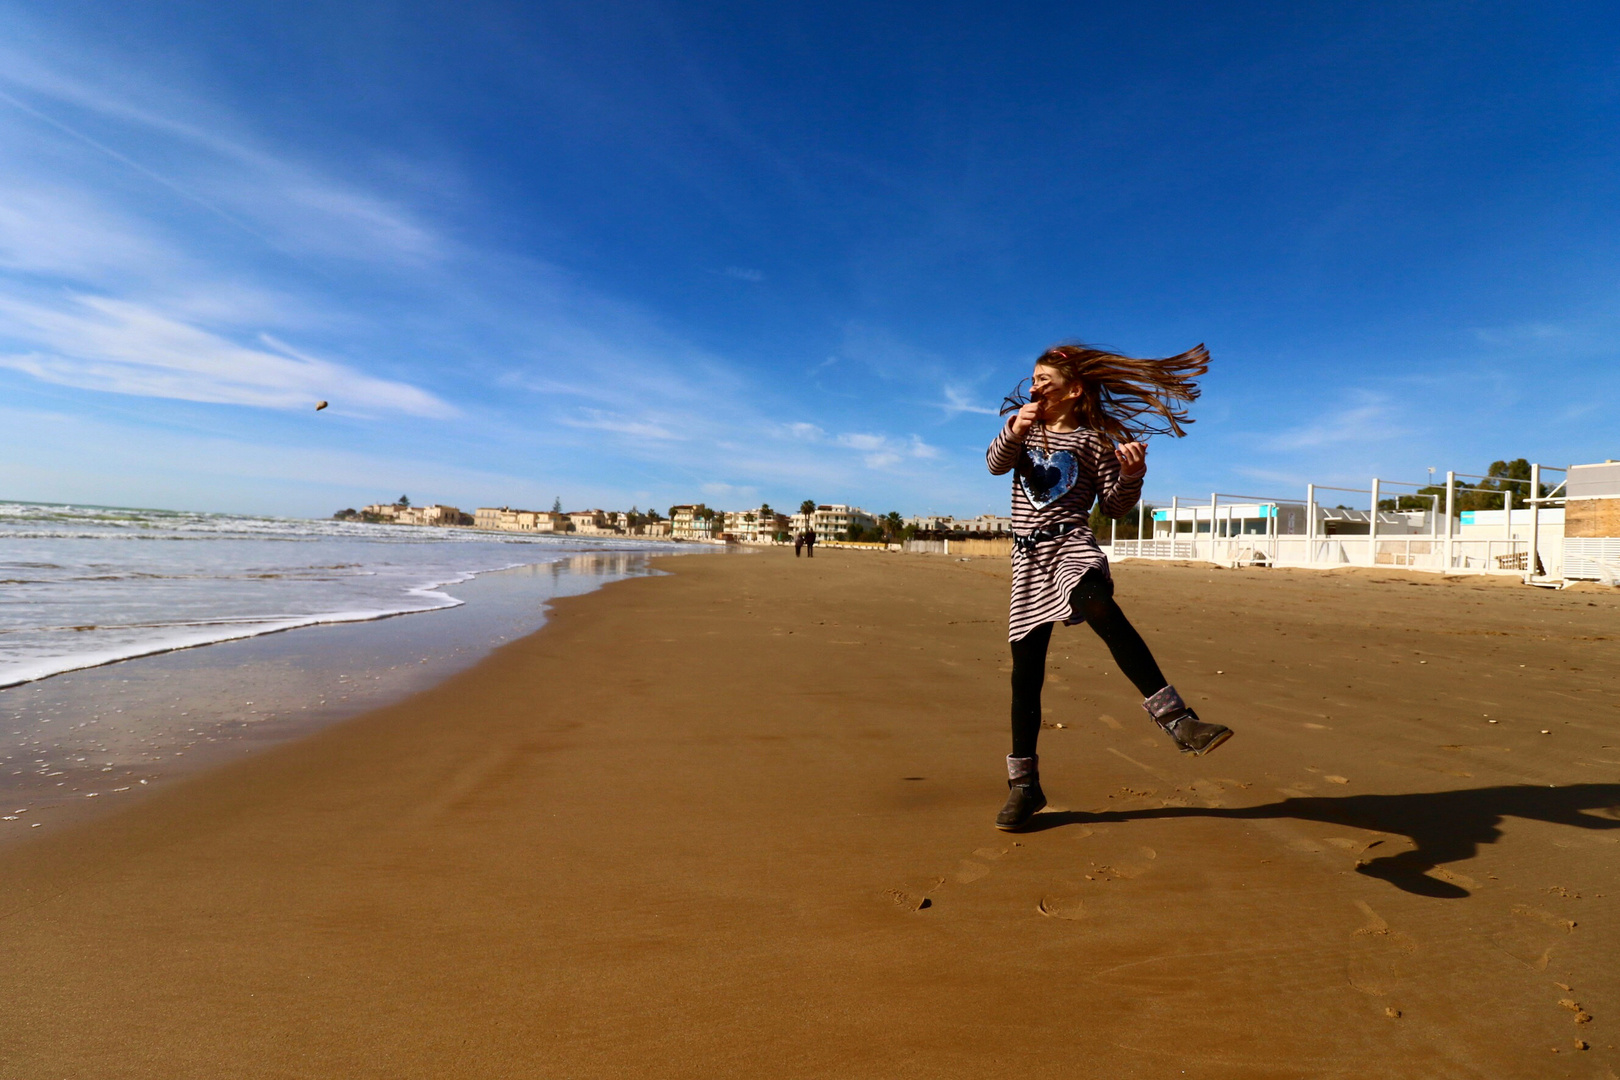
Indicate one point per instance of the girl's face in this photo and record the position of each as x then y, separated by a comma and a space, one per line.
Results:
1047, 387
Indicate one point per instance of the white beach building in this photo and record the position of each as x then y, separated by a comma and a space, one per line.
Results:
832, 520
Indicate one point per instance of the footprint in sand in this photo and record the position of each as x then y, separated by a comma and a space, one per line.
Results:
906, 900
1375, 966
1071, 908
1525, 911
1137, 866
1533, 936
970, 871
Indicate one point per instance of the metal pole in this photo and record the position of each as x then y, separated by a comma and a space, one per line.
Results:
1372, 527
1113, 535
1310, 523
1175, 523
1535, 523
1213, 501
1451, 511
1141, 525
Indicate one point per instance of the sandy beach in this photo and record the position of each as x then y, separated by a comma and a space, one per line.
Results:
736, 821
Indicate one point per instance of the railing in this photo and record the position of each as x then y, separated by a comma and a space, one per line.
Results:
1438, 547
1417, 552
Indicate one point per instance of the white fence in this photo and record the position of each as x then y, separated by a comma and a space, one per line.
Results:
1595, 558
1241, 530
1417, 553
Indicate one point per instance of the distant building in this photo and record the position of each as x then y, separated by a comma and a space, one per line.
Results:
381, 512
984, 523
758, 526
506, 519
832, 520
655, 528
434, 514
595, 522
696, 522
928, 523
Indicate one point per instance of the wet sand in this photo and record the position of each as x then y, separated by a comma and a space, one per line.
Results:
736, 822
84, 743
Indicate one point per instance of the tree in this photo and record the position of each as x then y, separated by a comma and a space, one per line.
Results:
1486, 495
556, 505
808, 506
892, 524
403, 500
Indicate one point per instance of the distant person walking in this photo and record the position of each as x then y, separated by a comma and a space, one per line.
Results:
809, 543
1077, 439
798, 544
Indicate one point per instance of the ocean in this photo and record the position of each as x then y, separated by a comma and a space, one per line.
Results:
82, 586
106, 692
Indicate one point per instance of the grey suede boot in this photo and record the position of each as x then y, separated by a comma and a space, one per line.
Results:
1190, 734
1024, 795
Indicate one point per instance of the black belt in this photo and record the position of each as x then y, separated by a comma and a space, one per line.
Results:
1030, 541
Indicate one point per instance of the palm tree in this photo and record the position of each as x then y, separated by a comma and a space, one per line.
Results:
808, 506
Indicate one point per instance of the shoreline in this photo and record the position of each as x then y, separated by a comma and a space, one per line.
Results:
686, 830
121, 729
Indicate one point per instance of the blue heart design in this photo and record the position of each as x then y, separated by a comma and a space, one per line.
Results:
1048, 477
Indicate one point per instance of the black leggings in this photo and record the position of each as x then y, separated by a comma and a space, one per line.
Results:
1094, 596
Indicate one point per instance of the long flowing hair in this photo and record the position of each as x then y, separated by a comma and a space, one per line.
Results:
1126, 398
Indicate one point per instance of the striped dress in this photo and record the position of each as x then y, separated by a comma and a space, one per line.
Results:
1052, 486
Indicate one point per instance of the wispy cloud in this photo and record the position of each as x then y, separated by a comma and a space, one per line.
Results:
619, 424
957, 402
1372, 419
276, 198
885, 451
745, 273
115, 346
734, 492
1520, 333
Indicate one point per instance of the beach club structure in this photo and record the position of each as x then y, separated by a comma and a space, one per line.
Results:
1571, 532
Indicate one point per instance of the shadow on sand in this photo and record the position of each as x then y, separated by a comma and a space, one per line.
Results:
1446, 826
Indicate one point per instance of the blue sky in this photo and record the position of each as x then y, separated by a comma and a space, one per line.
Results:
651, 253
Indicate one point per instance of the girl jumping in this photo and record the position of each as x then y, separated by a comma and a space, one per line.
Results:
1076, 439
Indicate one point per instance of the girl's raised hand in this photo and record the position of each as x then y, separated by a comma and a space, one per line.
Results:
1132, 459
1025, 418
